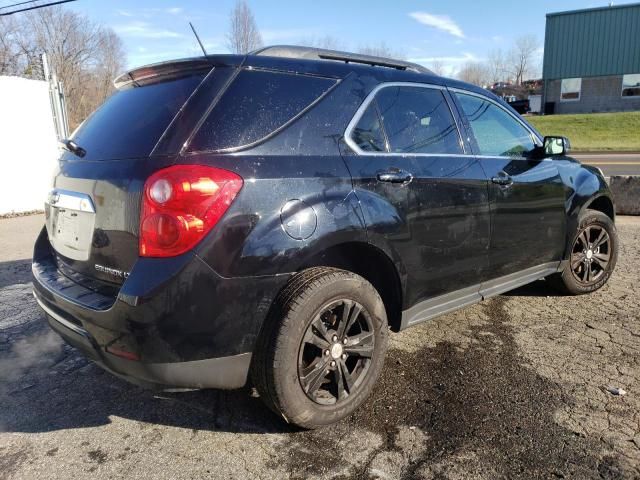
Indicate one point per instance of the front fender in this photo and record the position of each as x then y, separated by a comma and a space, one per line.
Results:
586, 185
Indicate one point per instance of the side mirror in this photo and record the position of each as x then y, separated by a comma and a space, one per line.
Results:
556, 146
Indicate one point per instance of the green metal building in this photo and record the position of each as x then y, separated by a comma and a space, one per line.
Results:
592, 60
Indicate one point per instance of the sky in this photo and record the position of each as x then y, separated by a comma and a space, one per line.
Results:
450, 32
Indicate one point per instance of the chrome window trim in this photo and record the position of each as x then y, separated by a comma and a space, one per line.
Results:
371, 96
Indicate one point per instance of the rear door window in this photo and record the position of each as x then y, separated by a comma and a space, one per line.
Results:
418, 120
256, 104
132, 120
414, 120
368, 134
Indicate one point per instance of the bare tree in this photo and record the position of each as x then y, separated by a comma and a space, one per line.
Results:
109, 63
10, 53
83, 55
521, 57
327, 42
497, 66
437, 67
110, 60
474, 72
244, 36
380, 50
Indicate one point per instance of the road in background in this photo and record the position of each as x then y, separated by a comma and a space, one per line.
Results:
612, 163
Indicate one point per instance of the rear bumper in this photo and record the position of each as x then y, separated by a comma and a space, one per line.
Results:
174, 323
223, 372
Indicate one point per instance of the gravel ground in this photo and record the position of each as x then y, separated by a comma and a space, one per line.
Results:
514, 387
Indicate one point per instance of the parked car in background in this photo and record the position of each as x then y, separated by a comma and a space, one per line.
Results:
520, 106
271, 217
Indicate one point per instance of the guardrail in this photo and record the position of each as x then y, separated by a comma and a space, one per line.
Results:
626, 194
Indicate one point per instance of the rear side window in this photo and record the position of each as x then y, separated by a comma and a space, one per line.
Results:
132, 120
255, 105
497, 133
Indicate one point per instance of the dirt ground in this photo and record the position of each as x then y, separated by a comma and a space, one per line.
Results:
515, 387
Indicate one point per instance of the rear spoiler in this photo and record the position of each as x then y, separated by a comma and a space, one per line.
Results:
174, 68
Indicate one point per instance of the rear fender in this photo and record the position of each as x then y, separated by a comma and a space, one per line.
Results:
276, 226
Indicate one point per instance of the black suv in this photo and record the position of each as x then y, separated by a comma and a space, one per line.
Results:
273, 216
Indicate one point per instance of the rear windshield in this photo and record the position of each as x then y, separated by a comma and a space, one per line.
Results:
132, 120
255, 105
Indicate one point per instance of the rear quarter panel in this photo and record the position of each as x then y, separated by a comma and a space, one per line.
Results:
302, 162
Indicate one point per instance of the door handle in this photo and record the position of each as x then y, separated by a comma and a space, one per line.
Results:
394, 175
503, 179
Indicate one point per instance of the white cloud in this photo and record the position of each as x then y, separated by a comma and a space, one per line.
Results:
439, 22
144, 30
149, 12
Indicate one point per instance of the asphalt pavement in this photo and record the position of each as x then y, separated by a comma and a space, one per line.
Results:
517, 387
613, 163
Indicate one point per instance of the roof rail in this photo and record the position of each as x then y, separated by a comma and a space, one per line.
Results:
311, 53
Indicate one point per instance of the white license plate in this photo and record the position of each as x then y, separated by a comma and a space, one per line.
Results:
70, 224
66, 228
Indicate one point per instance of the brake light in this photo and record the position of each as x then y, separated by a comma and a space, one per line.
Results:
181, 204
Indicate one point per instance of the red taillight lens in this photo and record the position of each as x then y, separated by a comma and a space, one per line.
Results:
181, 204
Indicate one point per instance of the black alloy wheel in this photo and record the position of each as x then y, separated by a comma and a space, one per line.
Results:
322, 347
591, 254
335, 353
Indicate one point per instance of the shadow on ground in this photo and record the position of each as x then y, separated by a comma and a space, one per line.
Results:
17, 271
46, 385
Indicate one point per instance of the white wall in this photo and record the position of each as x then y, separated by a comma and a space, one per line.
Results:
28, 145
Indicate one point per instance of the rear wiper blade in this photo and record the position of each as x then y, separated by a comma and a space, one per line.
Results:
73, 147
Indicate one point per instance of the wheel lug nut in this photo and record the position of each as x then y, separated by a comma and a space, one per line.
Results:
344, 356
335, 338
344, 341
333, 363
326, 352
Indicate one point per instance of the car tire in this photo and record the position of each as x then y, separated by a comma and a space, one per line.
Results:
576, 279
301, 338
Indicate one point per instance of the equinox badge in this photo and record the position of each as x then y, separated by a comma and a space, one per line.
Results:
112, 271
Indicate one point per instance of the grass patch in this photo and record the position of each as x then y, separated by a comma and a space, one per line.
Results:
594, 132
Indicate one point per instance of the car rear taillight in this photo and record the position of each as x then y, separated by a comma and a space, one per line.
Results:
181, 204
